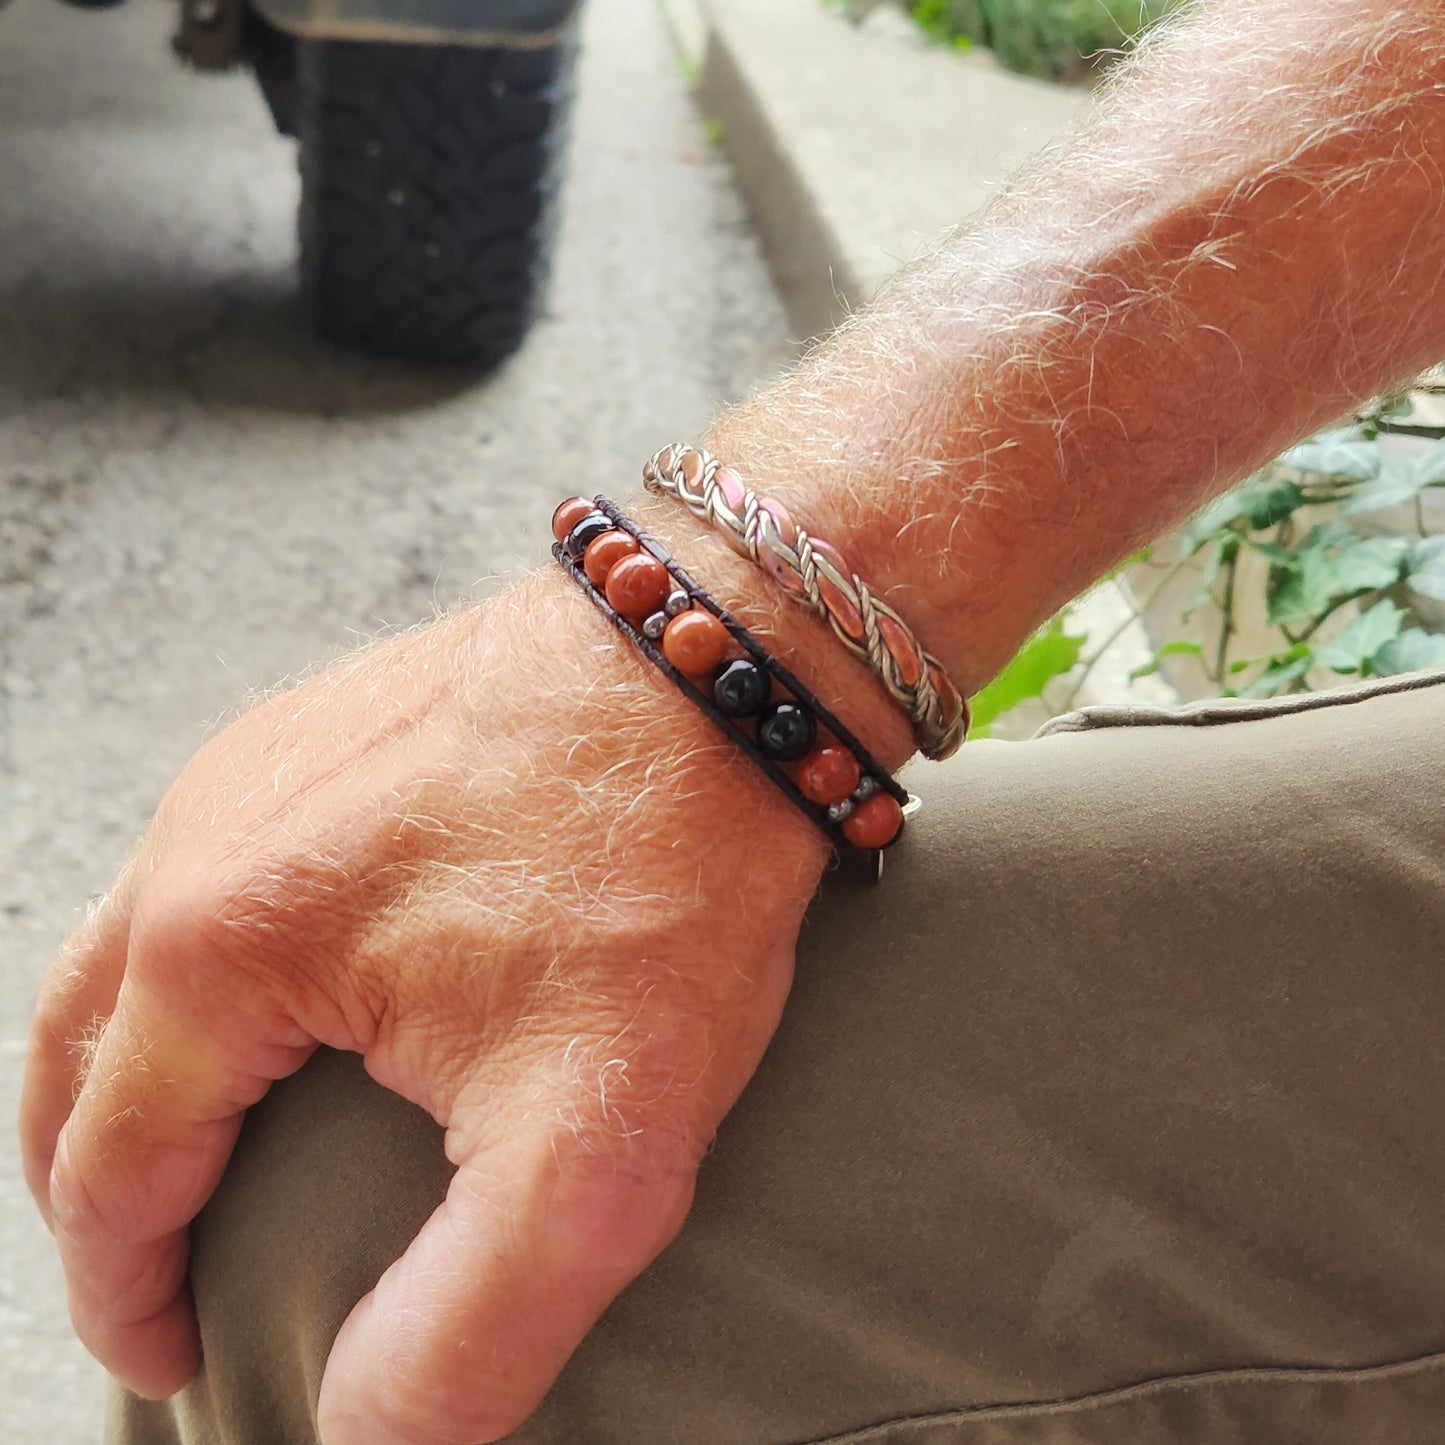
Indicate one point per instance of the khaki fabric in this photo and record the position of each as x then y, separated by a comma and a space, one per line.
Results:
1115, 1115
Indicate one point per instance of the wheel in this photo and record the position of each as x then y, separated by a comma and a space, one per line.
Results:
429, 180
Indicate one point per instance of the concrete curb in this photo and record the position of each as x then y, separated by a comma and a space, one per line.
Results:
689, 30
856, 147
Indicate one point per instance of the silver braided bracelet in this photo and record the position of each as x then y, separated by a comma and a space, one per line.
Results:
814, 574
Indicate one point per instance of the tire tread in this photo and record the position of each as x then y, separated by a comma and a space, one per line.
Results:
429, 181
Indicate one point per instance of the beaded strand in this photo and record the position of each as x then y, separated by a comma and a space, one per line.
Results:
753, 698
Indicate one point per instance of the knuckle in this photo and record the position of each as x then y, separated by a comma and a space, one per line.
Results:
277, 937
230, 935
176, 922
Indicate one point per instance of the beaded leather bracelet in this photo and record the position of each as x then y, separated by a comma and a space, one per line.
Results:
752, 698
813, 573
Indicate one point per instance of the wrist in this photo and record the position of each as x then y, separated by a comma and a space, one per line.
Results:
904, 522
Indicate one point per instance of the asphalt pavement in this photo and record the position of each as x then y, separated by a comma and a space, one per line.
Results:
197, 499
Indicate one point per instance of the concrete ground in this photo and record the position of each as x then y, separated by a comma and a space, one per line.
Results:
196, 498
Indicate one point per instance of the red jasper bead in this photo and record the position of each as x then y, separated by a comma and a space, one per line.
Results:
695, 642
875, 822
605, 552
567, 515
828, 774
637, 586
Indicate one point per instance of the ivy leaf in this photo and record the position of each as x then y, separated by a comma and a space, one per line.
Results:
1331, 565
1271, 502
1182, 648
1353, 649
1265, 501
1413, 649
1400, 480
1284, 668
1298, 592
1221, 552
1392, 487
1218, 514
1048, 654
1396, 406
1372, 563
1425, 570
1280, 556
1354, 460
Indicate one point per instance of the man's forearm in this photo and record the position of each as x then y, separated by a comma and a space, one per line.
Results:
1246, 237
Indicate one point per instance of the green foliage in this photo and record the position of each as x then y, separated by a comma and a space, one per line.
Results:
1180, 647
1331, 565
1344, 596
1051, 652
1410, 650
1054, 39
1312, 516
959, 22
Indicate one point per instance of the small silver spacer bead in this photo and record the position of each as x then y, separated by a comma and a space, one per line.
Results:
865, 789
676, 602
838, 811
654, 625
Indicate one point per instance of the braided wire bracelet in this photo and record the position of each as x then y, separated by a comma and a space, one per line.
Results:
756, 701
814, 574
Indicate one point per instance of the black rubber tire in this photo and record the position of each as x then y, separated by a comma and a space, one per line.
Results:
429, 178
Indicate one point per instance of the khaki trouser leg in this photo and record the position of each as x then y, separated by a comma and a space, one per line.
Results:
1115, 1114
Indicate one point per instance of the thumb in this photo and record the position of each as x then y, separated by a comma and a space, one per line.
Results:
539, 1231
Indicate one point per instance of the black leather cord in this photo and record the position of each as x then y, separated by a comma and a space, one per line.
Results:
817, 813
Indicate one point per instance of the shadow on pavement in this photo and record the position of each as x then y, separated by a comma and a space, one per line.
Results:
242, 345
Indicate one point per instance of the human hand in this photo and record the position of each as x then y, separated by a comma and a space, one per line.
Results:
505, 861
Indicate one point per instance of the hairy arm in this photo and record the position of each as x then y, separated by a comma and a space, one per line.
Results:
505, 862
1247, 237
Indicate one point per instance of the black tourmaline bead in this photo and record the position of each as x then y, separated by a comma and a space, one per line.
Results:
740, 687
589, 529
786, 731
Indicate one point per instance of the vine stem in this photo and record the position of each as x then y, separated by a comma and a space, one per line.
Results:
1226, 619
1316, 623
